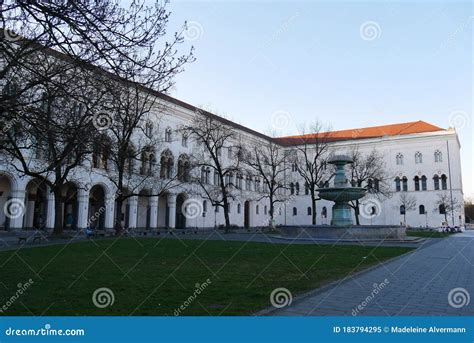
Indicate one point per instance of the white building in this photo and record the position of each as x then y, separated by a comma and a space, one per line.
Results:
412, 151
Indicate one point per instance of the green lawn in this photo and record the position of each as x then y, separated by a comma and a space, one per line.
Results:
156, 276
427, 234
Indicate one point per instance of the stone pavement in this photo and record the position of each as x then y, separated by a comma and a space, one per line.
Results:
437, 279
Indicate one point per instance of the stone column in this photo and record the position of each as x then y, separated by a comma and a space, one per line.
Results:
171, 210
50, 210
153, 205
132, 214
16, 209
109, 212
82, 209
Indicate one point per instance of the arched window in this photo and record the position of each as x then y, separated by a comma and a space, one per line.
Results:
421, 209
204, 206
399, 159
149, 129
204, 179
239, 178
292, 188
444, 182
130, 160
256, 209
184, 139
442, 209
166, 164
101, 152
376, 185
308, 210
405, 183
423, 183
168, 135
418, 157
295, 211
306, 188
402, 209
436, 182
257, 184
265, 209
239, 208
370, 185
294, 167
148, 161
297, 188
324, 212
397, 184
183, 168
248, 183
417, 183
438, 156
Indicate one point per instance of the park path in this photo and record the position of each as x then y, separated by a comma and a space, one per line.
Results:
434, 280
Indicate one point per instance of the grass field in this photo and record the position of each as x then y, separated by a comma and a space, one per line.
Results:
156, 276
427, 234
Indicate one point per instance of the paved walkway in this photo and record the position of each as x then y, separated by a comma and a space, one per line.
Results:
418, 283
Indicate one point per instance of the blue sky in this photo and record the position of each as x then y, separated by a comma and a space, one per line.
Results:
313, 60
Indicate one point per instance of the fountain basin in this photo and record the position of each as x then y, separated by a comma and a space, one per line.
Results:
352, 233
342, 194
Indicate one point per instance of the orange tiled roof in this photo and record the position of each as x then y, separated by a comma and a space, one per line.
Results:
363, 133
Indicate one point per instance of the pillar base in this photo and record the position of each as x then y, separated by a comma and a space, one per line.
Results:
341, 214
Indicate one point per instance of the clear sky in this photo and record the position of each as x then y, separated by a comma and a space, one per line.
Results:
350, 64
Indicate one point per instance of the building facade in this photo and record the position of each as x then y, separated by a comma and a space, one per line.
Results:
421, 160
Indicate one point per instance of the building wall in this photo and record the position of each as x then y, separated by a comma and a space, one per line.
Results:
160, 211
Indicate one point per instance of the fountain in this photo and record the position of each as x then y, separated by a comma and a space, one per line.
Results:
342, 228
341, 194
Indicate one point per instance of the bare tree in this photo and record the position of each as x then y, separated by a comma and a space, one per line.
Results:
368, 171
447, 206
54, 127
407, 203
268, 161
310, 158
217, 149
52, 52
128, 147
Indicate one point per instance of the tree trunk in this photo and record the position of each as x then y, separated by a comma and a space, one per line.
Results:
226, 215
272, 207
357, 212
118, 216
58, 212
313, 207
